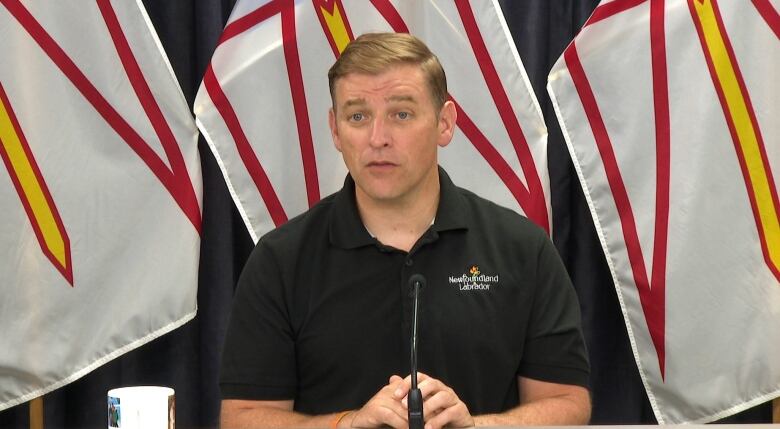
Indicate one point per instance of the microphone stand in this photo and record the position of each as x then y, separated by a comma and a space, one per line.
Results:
414, 399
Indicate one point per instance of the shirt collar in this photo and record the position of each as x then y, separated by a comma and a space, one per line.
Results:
452, 212
346, 228
348, 232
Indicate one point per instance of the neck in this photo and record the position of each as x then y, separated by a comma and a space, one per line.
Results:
400, 223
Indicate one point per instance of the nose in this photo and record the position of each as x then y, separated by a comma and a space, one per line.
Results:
379, 133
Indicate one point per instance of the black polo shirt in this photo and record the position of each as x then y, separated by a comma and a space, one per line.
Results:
322, 313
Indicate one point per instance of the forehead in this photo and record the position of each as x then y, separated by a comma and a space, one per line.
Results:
402, 80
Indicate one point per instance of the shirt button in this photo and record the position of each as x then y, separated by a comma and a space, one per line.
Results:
409, 262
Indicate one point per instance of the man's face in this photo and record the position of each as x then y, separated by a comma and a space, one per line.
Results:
388, 131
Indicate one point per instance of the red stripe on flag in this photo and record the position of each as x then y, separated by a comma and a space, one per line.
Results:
245, 151
772, 21
662, 162
653, 304
733, 130
332, 7
534, 206
67, 270
295, 76
250, 20
537, 209
494, 159
391, 15
287, 10
93, 96
612, 8
770, 15
181, 177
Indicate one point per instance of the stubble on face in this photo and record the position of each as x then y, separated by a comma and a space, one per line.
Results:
387, 129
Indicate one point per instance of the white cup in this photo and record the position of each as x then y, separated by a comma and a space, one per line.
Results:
142, 407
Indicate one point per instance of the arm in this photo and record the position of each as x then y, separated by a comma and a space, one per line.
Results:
544, 404
385, 408
239, 414
541, 404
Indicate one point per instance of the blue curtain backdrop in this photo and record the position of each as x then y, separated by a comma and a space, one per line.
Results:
187, 359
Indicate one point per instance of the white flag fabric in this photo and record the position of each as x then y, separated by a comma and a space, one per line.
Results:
670, 110
100, 192
264, 100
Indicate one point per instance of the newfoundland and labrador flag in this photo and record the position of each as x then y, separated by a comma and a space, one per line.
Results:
670, 109
99, 188
264, 101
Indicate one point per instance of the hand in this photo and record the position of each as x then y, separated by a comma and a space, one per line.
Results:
441, 405
385, 408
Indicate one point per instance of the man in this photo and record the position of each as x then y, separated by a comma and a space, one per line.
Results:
320, 332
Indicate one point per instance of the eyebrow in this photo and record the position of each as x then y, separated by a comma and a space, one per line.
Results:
393, 98
354, 102
398, 98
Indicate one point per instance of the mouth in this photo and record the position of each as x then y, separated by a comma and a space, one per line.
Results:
380, 164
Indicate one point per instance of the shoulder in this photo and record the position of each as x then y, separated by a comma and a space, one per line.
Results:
497, 221
283, 244
316, 217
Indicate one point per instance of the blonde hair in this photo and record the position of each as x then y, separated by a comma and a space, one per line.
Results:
375, 53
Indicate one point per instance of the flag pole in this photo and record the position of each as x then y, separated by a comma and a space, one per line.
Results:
36, 413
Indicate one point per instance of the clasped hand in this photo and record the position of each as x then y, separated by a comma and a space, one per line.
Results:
441, 406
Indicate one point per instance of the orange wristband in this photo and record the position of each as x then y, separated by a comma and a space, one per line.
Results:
336, 420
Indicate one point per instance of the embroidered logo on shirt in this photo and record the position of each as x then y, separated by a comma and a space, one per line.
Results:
474, 280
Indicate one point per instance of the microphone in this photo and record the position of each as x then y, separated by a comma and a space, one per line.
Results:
414, 399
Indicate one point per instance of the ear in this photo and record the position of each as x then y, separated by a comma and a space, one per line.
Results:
334, 131
448, 116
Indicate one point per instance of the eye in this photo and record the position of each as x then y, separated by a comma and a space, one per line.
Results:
403, 115
356, 117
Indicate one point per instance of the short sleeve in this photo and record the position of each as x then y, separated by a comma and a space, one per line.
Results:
258, 358
554, 347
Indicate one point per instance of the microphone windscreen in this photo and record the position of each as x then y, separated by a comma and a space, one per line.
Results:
416, 280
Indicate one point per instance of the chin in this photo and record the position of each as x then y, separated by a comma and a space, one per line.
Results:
383, 196
377, 187
381, 193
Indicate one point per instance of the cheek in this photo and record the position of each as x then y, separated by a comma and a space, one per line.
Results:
348, 150
428, 150
351, 141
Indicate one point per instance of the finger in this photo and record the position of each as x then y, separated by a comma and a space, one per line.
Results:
381, 412
407, 384
394, 379
439, 402
431, 386
427, 387
396, 406
458, 416
421, 376
394, 416
400, 388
